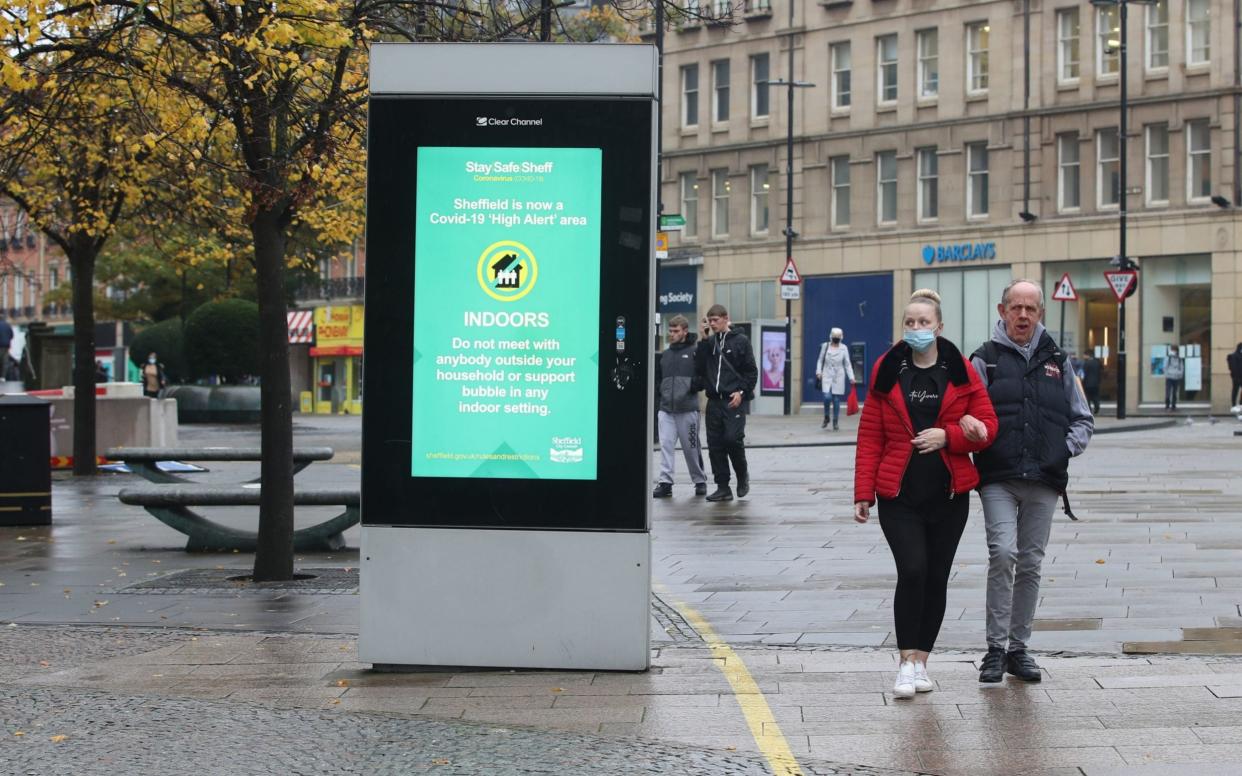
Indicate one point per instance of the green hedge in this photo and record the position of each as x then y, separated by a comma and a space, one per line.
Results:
222, 338
165, 340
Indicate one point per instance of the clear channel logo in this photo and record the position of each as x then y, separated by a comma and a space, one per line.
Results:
492, 121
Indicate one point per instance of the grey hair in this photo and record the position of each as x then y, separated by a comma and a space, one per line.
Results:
1038, 288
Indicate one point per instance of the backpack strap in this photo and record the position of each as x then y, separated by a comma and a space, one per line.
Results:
989, 353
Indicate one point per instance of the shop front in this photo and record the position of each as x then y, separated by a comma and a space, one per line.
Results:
336, 359
970, 284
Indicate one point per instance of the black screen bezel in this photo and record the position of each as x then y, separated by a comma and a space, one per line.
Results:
617, 499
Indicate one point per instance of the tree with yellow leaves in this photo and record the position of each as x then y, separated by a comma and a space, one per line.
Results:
73, 163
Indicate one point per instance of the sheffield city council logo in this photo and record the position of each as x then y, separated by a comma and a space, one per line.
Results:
507, 270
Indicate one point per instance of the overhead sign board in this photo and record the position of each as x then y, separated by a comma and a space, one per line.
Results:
1065, 290
1120, 281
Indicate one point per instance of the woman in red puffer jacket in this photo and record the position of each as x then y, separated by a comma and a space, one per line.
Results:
926, 411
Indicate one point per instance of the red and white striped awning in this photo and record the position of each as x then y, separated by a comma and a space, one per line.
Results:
301, 326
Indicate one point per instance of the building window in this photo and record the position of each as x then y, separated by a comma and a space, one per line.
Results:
977, 36
886, 187
886, 72
929, 184
53, 277
1068, 187
1107, 169
840, 55
720, 203
759, 187
1158, 164
689, 96
977, 180
928, 44
19, 290
759, 86
1158, 36
1198, 161
1198, 32
1107, 41
1067, 45
690, 204
720, 92
840, 192
748, 300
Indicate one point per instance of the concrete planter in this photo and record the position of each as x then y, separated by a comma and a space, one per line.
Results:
216, 403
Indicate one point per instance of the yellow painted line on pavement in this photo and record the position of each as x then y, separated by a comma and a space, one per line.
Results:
759, 718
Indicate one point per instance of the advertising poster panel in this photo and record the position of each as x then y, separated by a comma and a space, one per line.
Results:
506, 376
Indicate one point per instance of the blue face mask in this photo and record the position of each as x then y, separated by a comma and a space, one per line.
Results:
919, 339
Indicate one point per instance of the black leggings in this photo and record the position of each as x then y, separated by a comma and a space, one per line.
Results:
923, 542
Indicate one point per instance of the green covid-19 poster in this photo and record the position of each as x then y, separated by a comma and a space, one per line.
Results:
506, 300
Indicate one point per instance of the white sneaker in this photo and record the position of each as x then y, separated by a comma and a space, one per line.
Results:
921, 682
904, 686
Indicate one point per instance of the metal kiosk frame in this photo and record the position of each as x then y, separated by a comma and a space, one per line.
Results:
505, 567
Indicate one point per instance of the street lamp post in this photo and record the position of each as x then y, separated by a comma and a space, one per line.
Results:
1123, 260
788, 231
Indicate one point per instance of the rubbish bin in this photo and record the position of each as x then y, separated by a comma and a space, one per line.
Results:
25, 461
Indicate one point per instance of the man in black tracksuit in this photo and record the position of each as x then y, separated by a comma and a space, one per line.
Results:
725, 368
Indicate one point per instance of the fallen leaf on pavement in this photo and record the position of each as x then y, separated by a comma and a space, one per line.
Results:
342, 682
98, 604
21, 538
112, 541
1101, 561
19, 733
57, 739
44, 663
441, 761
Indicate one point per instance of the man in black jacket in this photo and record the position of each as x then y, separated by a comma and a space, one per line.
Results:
726, 370
678, 408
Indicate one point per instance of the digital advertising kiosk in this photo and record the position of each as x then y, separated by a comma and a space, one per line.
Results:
507, 383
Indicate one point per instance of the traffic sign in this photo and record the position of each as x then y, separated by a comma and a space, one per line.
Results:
1121, 281
673, 222
661, 245
790, 276
791, 292
1065, 290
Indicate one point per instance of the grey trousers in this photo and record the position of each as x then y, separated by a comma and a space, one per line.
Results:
683, 426
1018, 517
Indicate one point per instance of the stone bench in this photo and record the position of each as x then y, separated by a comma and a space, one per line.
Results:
143, 460
172, 505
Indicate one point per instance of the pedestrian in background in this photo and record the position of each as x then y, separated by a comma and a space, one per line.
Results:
725, 366
835, 374
1174, 370
1091, 369
1234, 360
913, 461
6, 342
679, 409
1044, 420
153, 379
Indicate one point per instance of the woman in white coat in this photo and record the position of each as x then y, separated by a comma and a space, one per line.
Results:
835, 374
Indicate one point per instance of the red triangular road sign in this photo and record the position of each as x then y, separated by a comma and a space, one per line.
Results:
1065, 290
790, 277
1121, 281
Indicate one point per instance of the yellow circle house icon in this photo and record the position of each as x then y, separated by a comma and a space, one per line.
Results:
507, 270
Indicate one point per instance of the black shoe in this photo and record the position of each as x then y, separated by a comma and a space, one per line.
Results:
992, 669
663, 490
835, 427
700, 489
743, 486
824, 424
722, 493
1022, 665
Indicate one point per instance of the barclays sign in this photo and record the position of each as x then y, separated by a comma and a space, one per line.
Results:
933, 254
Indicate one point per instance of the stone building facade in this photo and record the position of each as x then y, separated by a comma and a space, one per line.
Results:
924, 156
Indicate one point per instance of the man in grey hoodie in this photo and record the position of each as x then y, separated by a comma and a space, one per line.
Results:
679, 409
1044, 421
